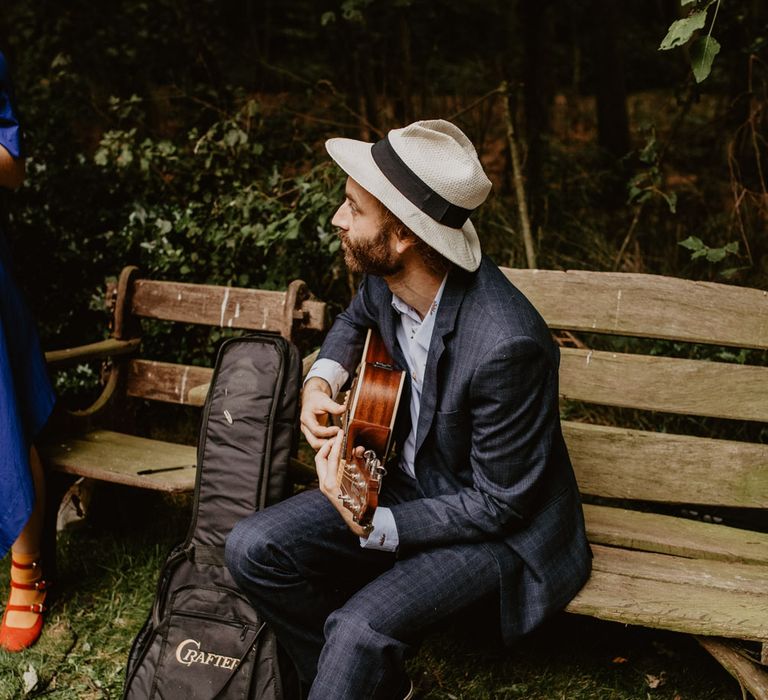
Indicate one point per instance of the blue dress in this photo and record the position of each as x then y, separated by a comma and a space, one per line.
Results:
26, 396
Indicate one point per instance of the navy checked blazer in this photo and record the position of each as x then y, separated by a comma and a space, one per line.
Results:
490, 456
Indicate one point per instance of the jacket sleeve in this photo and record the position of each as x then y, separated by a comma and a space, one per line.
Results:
344, 342
513, 418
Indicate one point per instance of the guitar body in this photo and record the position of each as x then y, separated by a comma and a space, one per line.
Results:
368, 423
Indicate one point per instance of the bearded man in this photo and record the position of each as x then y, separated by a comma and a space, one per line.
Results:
483, 501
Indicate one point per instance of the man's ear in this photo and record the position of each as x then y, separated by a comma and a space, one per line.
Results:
404, 239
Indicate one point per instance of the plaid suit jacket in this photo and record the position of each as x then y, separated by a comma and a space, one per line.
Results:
490, 456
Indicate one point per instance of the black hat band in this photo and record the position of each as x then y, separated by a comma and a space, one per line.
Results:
414, 189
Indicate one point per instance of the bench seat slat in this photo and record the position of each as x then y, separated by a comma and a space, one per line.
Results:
665, 534
225, 307
623, 303
724, 575
125, 459
680, 605
693, 387
166, 381
642, 465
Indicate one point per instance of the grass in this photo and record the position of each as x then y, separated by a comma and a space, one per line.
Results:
108, 569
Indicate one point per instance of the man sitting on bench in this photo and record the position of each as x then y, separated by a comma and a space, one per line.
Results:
483, 501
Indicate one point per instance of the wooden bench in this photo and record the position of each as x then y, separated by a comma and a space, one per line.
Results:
653, 565
93, 442
663, 569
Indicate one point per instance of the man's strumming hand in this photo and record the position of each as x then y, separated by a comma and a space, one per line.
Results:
316, 405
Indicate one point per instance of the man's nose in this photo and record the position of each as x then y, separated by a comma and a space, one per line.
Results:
340, 218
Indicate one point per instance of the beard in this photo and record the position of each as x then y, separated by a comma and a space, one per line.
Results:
375, 257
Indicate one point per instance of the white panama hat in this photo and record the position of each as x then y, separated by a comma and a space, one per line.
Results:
429, 176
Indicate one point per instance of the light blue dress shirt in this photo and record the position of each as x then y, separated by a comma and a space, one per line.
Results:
414, 335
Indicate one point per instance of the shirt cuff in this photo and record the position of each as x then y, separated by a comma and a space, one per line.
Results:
331, 371
384, 534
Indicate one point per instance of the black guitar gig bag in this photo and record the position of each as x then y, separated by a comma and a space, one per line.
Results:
203, 640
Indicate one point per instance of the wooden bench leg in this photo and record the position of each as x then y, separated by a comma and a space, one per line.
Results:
56, 485
751, 677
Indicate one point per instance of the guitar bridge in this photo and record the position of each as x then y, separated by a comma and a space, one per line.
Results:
384, 365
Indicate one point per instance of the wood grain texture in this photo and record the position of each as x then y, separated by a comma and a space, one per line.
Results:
135, 461
165, 381
665, 534
649, 306
680, 607
126, 459
691, 387
226, 307
712, 573
642, 465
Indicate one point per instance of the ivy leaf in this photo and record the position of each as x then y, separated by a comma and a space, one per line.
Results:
716, 254
682, 29
163, 226
703, 52
692, 243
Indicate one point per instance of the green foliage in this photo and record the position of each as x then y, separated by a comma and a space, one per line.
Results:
650, 180
703, 52
681, 30
703, 49
713, 255
188, 139
212, 205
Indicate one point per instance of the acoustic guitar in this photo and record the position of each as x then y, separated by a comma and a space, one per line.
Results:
368, 423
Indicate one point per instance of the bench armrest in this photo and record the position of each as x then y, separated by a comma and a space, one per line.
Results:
93, 351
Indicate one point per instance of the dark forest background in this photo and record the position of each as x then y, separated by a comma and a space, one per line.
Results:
187, 137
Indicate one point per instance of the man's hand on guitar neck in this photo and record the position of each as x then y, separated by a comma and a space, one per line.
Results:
327, 465
316, 405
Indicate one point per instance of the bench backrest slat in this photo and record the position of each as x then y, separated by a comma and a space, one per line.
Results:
645, 465
165, 381
622, 303
652, 383
226, 307
641, 465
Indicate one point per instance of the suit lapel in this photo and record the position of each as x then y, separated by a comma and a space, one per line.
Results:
453, 295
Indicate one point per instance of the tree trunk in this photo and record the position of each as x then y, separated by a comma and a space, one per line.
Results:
403, 101
538, 92
610, 89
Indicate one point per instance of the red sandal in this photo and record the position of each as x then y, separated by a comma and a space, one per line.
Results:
19, 638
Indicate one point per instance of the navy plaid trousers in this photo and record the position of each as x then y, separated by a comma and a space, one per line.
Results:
349, 616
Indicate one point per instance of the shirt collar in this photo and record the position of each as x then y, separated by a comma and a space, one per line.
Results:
402, 308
